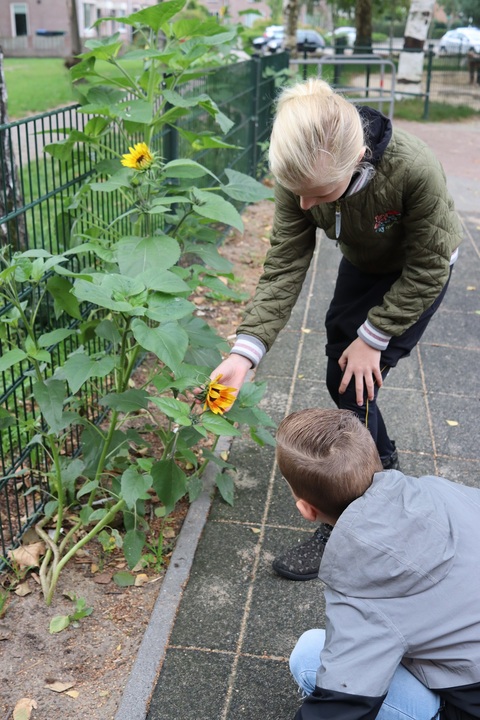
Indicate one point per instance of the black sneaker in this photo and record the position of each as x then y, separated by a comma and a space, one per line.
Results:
392, 463
302, 562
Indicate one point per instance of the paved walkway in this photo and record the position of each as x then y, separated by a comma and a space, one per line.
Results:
237, 621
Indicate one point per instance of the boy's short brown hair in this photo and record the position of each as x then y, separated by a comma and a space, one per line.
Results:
328, 457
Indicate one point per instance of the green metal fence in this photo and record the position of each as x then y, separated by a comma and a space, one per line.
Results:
38, 214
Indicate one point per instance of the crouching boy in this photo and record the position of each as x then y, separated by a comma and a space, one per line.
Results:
402, 580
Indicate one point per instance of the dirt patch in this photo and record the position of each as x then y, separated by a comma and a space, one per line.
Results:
81, 672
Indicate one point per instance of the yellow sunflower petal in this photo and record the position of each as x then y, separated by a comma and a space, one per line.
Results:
139, 157
219, 397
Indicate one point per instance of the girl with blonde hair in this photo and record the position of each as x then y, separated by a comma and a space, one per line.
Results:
381, 195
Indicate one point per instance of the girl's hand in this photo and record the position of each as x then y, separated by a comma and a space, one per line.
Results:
233, 371
363, 362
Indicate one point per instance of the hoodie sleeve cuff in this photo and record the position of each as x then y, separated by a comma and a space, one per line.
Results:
250, 347
372, 336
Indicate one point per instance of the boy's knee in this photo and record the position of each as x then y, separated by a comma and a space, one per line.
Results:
306, 653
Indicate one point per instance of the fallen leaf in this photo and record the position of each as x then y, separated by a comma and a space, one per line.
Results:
224, 455
471, 287
72, 693
23, 709
23, 589
452, 423
141, 579
255, 530
102, 579
300, 377
306, 331
94, 568
59, 687
27, 555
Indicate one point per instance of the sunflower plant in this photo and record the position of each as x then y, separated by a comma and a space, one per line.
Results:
123, 287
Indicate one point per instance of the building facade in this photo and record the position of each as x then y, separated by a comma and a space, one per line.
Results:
41, 28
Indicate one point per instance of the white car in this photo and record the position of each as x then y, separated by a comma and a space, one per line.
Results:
271, 38
349, 32
460, 41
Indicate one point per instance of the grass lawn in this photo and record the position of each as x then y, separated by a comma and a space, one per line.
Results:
35, 85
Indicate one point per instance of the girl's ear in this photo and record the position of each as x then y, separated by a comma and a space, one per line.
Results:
309, 512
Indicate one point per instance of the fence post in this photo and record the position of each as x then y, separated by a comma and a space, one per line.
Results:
257, 79
429, 80
13, 231
170, 137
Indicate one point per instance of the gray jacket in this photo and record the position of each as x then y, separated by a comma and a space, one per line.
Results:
402, 577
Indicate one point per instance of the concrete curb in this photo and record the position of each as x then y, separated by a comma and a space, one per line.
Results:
151, 653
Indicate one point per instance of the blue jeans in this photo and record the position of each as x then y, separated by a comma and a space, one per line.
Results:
407, 698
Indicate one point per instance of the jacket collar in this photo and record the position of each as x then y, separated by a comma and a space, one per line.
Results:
378, 132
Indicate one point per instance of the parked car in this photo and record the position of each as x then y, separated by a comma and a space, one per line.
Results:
460, 41
273, 33
345, 31
309, 41
273, 40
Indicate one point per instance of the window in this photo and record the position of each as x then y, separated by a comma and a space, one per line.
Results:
19, 19
89, 14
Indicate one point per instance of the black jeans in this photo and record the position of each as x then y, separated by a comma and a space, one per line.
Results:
355, 293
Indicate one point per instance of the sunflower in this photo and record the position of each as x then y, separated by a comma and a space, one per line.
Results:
219, 398
139, 157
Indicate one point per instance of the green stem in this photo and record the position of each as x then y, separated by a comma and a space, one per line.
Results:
59, 485
112, 81
75, 548
175, 230
131, 364
203, 466
37, 308
130, 79
103, 456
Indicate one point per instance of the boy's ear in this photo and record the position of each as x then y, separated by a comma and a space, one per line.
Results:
309, 512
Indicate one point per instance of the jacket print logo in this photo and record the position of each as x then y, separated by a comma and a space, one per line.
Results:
386, 220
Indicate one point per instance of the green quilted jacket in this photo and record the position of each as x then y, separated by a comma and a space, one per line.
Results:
403, 219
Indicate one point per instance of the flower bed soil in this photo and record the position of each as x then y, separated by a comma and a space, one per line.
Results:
81, 672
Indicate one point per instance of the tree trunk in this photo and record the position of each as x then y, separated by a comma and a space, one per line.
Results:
290, 13
363, 26
12, 232
76, 47
410, 66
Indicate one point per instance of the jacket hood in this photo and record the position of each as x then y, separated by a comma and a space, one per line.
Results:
396, 539
378, 132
